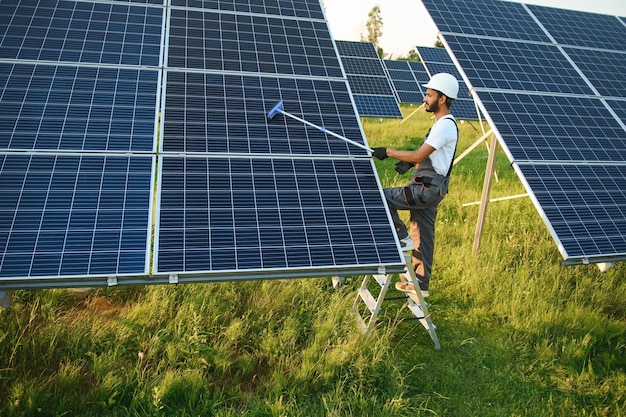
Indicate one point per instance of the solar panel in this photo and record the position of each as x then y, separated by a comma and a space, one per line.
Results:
290, 8
584, 206
77, 108
436, 60
91, 92
485, 18
554, 94
227, 113
235, 214
419, 72
513, 65
541, 127
565, 27
68, 216
241, 196
604, 69
369, 82
211, 40
81, 32
407, 87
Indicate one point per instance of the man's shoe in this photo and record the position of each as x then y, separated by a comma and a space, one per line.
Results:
407, 244
408, 287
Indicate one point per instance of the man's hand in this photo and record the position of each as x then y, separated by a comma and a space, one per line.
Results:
402, 167
380, 153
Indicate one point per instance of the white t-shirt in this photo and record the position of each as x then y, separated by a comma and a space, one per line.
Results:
443, 137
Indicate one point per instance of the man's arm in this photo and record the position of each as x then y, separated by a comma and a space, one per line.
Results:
413, 157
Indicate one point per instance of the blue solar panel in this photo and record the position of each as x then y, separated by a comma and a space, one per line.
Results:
419, 72
51, 107
82, 86
76, 31
428, 54
210, 40
361, 66
369, 82
512, 65
74, 215
567, 27
227, 113
619, 107
567, 139
304, 9
239, 214
356, 49
408, 89
604, 69
584, 204
555, 128
494, 18
377, 106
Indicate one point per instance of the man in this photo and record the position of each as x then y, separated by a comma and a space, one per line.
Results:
432, 163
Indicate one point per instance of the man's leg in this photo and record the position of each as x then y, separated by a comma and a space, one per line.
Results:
396, 201
423, 235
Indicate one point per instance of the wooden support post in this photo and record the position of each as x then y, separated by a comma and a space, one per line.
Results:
484, 201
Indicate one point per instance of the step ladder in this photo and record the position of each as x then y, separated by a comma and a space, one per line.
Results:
366, 307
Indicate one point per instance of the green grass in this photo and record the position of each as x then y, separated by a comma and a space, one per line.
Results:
521, 335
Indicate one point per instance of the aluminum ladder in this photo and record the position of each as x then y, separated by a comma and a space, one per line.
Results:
366, 307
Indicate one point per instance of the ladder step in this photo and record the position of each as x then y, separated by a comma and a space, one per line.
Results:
417, 312
381, 279
366, 296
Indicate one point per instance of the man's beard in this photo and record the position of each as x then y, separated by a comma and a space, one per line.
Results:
433, 107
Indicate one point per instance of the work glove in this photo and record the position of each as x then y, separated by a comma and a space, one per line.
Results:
380, 153
402, 167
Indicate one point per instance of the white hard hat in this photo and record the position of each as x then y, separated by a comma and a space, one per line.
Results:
444, 83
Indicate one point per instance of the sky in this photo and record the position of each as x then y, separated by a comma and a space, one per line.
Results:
407, 24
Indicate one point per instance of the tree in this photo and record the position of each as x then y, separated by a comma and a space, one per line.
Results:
374, 29
411, 56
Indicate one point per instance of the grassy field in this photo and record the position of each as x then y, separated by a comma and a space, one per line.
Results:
521, 335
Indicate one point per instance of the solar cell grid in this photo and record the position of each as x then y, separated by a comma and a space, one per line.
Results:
305, 9
571, 27
419, 72
370, 85
210, 40
373, 93
356, 49
228, 113
364, 66
241, 213
493, 18
74, 215
404, 83
433, 54
555, 128
509, 65
583, 205
86, 32
619, 107
377, 106
604, 69
49, 107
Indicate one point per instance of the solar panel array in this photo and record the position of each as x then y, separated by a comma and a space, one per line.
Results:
436, 60
556, 97
116, 113
369, 82
407, 80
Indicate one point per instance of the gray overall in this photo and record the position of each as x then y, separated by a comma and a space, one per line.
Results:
421, 197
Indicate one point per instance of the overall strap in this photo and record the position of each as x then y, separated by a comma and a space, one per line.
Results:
451, 118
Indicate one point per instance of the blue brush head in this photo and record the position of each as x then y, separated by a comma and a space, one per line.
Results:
276, 109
